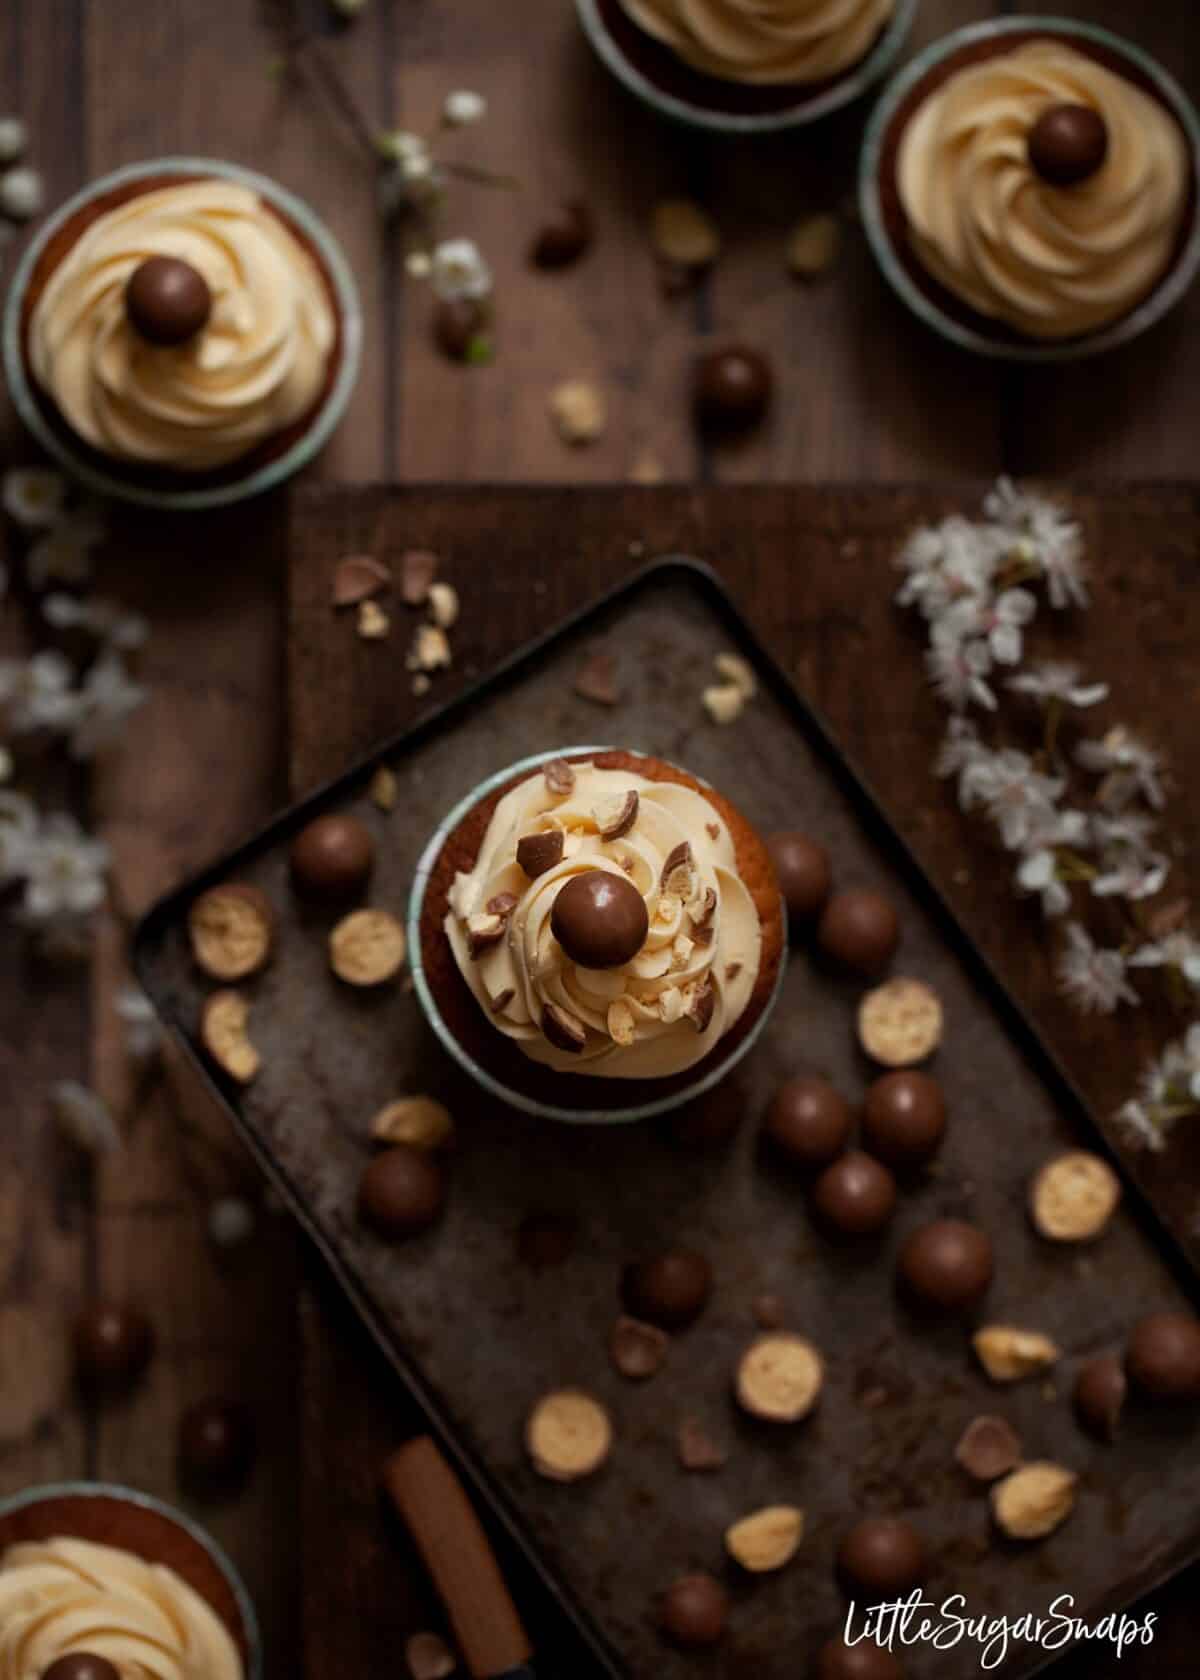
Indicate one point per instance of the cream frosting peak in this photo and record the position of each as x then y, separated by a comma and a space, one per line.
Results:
765, 40
59, 1596
1053, 262
665, 1009
257, 366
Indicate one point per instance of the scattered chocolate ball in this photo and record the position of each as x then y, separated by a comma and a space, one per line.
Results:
600, 919
671, 1290
1068, 144
731, 389
563, 237
904, 1118
402, 1192
81, 1665
988, 1447
1163, 1356
1099, 1395
804, 873
947, 1265
883, 1557
216, 1443
855, 1196
865, 1661
458, 324
167, 301
860, 930
693, 1611
113, 1346
808, 1121
333, 857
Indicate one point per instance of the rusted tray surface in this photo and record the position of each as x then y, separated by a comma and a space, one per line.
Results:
481, 1334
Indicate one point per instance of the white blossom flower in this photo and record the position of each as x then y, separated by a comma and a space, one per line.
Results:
64, 554
1091, 977
21, 194
1000, 622
401, 145
1179, 950
64, 876
957, 669
1129, 767
1139, 1127
459, 270
100, 617
1044, 535
37, 693
18, 834
1129, 873
108, 696
462, 108
1039, 870
143, 1036
961, 754
1058, 679
33, 495
84, 1118
13, 139
945, 563
1019, 799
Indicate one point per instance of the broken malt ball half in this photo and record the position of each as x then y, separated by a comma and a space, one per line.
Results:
224, 1034
779, 1378
900, 1023
766, 1539
367, 948
232, 930
1033, 1500
1073, 1197
568, 1435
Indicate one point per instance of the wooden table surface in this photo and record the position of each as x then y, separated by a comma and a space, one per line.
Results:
864, 395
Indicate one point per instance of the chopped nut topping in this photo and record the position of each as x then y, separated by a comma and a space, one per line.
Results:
670, 1005
1034, 1499
443, 605
723, 702
373, 623
564, 1030
701, 1005
579, 411
678, 873
418, 568
713, 830
701, 907
1008, 1354
421, 1122
620, 1022
683, 234
430, 649
484, 931
615, 816
223, 1032
812, 246
536, 853
502, 1000
357, 577
560, 778
681, 950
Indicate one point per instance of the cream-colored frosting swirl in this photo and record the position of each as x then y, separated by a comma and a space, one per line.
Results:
59, 1596
664, 1010
1050, 261
256, 367
765, 41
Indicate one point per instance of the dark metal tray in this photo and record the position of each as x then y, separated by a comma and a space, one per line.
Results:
477, 1334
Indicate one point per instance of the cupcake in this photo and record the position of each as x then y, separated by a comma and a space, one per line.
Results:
746, 64
105, 1583
1033, 188
597, 935
182, 334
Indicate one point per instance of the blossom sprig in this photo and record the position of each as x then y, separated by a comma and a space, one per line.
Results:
1169, 1092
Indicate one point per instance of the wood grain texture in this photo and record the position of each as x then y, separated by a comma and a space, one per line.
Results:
828, 617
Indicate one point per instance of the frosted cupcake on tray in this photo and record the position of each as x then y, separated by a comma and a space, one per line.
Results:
741, 65
1029, 189
183, 333
597, 935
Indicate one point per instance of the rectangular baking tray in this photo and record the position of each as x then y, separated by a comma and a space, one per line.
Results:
477, 1335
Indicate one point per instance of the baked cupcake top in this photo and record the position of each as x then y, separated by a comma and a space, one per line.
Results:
63, 1596
764, 41
1043, 189
254, 364
604, 926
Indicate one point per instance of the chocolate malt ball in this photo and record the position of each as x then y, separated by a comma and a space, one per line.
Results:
694, 1610
167, 301
1163, 1356
114, 1343
882, 1557
804, 873
333, 857
904, 1118
947, 1265
859, 930
402, 1192
855, 1196
808, 1122
670, 1290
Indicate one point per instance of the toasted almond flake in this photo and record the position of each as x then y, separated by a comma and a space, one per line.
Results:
812, 246
373, 624
683, 234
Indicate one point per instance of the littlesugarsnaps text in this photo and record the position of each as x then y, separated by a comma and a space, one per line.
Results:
950, 1625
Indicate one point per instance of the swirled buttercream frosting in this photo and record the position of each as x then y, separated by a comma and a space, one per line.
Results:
1050, 261
765, 41
667, 1006
256, 367
63, 1596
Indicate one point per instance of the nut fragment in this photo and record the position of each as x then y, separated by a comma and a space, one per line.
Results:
637, 1349
597, 680
1074, 1196
564, 1030
357, 577
1033, 1500
367, 947
422, 1122
988, 1447
678, 872
732, 668
430, 649
1008, 1354
560, 778
536, 853
701, 1004
766, 1539
900, 1022
724, 702
484, 931
384, 789
223, 1033
620, 1022
373, 624
429, 1657
232, 929
443, 605
503, 904
697, 1449
616, 816
579, 411
812, 246
683, 234
780, 1377
418, 568
568, 1435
